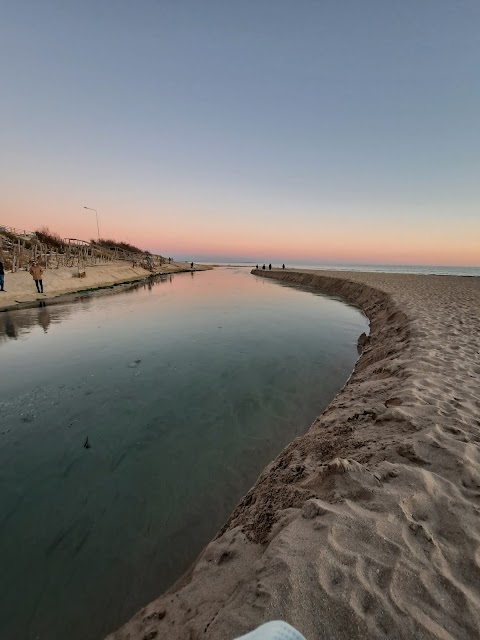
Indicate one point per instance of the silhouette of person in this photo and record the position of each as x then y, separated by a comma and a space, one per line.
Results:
283, 266
263, 267
191, 265
256, 267
10, 328
2, 277
270, 266
44, 317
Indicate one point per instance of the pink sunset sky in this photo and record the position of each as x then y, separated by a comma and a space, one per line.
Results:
308, 134
184, 232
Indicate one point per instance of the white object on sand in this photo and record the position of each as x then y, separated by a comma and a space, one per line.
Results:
275, 630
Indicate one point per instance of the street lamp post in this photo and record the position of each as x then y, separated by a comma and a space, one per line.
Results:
96, 213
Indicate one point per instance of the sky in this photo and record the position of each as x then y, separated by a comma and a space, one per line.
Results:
308, 130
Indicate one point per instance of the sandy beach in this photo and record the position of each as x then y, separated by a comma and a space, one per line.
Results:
20, 287
369, 524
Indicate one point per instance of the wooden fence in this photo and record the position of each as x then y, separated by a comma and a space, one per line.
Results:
18, 250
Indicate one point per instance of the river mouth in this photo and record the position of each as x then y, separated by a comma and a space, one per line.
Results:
185, 387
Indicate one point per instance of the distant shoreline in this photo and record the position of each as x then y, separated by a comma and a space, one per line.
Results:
448, 270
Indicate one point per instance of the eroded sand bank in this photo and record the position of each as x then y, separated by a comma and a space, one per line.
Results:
369, 524
21, 291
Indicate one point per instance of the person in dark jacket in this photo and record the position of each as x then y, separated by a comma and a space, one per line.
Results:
270, 266
2, 277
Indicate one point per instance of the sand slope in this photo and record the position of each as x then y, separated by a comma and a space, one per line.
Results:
369, 525
20, 286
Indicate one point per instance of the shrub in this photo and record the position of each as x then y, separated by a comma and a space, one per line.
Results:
50, 238
112, 244
10, 236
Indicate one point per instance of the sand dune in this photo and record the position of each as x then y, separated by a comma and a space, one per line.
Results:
369, 524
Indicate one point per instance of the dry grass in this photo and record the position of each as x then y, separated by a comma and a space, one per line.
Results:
50, 238
109, 243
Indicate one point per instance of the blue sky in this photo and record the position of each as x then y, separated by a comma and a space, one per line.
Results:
212, 123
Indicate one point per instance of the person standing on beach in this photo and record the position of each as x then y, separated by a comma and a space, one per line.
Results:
283, 266
36, 272
263, 267
270, 267
2, 277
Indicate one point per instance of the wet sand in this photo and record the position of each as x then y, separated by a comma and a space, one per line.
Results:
369, 524
21, 291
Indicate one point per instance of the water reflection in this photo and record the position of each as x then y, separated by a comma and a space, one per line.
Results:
8, 327
44, 317
14, 324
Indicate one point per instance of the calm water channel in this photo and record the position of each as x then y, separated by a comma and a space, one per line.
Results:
186, 388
